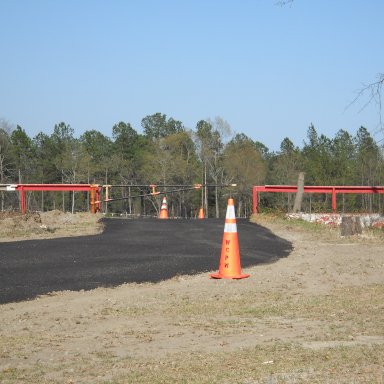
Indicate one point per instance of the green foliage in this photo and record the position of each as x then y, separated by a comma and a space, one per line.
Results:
157, 126
167, 153
125, 140
96, 145
5, 155
22, 150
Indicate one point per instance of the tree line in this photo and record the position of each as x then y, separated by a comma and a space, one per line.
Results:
167, 153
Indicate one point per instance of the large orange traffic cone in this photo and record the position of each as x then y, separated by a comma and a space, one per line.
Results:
164, 209
230, 255
201, 213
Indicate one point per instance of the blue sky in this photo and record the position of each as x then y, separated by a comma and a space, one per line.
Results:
269, 71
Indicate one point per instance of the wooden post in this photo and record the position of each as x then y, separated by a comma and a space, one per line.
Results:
350, 225
299, 193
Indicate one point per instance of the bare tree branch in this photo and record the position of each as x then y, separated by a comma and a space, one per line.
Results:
6, 126
282, 3
369, 93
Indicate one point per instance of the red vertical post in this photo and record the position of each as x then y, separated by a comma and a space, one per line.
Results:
255, 200
334, 200
22, 200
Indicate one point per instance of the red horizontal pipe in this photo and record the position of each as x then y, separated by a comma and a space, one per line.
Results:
320, 189
314, 189
56, 187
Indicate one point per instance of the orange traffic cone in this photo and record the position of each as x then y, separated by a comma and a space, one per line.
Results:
164, 209
230, 255
201, 213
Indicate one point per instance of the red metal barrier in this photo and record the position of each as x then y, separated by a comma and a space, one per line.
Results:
94, 190
334, 190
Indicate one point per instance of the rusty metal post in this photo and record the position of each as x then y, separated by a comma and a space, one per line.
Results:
93, 208
97, 208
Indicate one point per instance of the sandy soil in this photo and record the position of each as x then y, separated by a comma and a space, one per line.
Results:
45, 225
327, 294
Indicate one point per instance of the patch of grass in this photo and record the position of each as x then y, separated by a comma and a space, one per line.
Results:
353, 300
130, 311
326, 232
275, 363
11, 375
349, 302
104, 355
377, 233
278, 363
297, 224
345, 312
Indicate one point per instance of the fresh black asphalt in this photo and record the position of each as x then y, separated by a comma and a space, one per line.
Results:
140, 250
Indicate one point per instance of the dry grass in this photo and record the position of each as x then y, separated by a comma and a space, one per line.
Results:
335, 342
43, 225
315, 317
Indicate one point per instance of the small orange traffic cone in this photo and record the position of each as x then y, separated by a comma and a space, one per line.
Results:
164, 209
230, 255
201, 213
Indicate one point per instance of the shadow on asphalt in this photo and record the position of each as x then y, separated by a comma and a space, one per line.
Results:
128, 251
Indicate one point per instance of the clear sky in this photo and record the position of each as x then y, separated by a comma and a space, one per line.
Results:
269, 71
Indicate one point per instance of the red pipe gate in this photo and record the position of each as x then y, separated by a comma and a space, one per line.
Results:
334, 190
94, 190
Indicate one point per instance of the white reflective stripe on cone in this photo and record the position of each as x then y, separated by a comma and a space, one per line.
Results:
230, 228
230, 212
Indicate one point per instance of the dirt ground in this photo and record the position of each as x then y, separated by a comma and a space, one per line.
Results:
46, 225
313, 317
